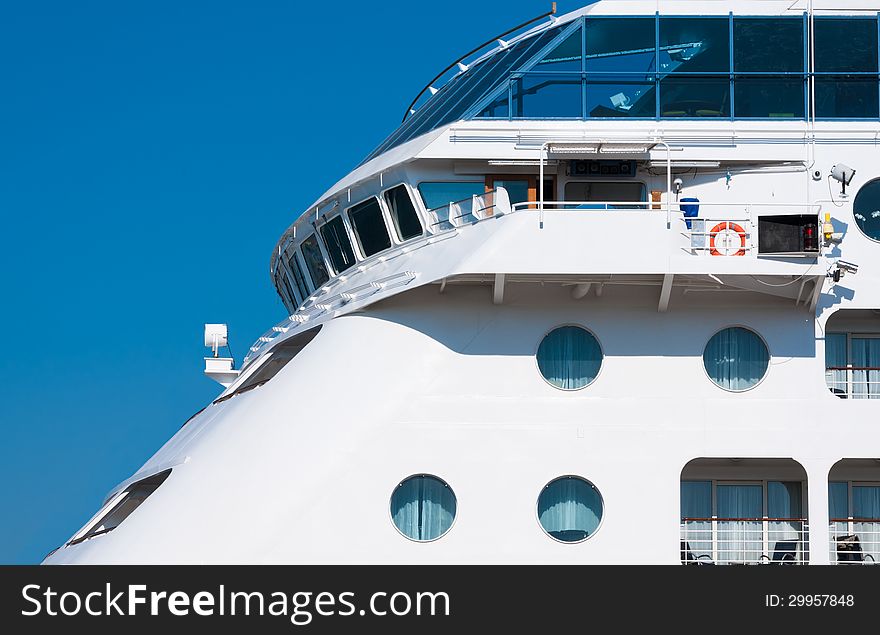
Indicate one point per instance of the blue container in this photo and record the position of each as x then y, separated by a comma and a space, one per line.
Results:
690, 211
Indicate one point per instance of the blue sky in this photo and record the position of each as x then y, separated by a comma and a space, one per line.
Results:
150, 156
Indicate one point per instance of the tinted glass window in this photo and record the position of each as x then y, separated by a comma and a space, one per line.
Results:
537, 96
616, 45
768, 45
628, 96
770, 97
615, 192
694, 45
846, 45
403, 213
566, 56
438, 194
846, 97
298, 277
369, 227
311, 252
277, 358
338, 245
866, 209
683, 96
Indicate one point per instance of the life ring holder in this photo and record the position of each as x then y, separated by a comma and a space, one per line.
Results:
727, 227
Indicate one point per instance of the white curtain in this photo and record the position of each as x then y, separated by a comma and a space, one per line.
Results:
835, 357
740, 539
866, 354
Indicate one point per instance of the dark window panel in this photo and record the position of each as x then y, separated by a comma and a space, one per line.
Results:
846, 97
338, 245
538, 96
846, 45
616, 45
311, 252
768, 45
695, 97
621, 97
769, 97
369, 227
403, 213
694, 45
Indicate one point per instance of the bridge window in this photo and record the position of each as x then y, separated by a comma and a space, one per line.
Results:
369, 227
437, 194
298, 278
403, 213
337, 243
846, 68
311, 251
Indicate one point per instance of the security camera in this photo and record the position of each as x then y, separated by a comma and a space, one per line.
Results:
848, 266
677, 184
817, 175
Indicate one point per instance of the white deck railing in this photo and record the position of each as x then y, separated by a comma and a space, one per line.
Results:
854, 382
855, 541
744, 541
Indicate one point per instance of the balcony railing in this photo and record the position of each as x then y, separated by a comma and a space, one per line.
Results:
854, 382
706, 541
855, 540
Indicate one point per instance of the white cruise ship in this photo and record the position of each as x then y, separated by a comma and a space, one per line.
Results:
610, 294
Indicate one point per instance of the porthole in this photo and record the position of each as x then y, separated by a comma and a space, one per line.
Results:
570, 509
736, 359
569, 358
866, 209
423, 507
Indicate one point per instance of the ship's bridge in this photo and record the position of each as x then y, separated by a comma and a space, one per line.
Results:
637, 60
628, 138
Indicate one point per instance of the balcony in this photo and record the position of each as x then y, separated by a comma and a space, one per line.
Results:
735, 541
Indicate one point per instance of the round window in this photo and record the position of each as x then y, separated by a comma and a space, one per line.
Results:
423, 507
866, 209
570, 509
736, 359
569, 357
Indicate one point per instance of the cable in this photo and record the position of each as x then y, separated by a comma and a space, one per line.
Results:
831, 193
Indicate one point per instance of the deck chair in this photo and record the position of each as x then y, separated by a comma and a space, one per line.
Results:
849, 549
785, 552
688, 557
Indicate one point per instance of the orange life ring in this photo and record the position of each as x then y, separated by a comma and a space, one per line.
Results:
727, 227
